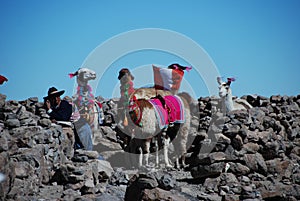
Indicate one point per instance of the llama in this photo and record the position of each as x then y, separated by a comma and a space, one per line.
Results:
228, 104
88, 106
141, 143
127, 91
148, 124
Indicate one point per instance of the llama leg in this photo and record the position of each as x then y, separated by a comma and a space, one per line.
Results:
180, 145
140, 157
183, 160
177, 162
166, 146
156, 153
147, 152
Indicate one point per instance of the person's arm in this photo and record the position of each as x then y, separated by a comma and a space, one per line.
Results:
62, 113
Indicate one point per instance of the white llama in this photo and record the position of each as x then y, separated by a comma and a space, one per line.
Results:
225, 93
88, 106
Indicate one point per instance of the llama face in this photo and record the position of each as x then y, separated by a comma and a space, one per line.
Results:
125, 78
85, 74
224, 88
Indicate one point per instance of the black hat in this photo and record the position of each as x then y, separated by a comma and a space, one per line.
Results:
124, 71
53, 92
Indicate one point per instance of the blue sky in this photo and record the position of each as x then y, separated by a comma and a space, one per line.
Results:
256, 41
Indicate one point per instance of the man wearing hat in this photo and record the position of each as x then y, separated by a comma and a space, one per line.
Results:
58, 110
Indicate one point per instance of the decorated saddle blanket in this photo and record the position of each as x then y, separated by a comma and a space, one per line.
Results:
171, 112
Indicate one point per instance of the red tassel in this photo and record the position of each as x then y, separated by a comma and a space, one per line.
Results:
71, 75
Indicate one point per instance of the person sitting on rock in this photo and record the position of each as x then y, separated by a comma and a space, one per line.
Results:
62, 110
57, 109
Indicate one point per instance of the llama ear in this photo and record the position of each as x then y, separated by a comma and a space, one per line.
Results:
219, 80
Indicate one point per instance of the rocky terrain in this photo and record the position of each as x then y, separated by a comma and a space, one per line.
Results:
245, 155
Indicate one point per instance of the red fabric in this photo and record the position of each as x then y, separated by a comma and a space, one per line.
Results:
167, 79
3, 79
172, 112
158, 80
177, 76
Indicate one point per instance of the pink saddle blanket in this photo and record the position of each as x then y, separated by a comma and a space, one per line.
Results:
173, 112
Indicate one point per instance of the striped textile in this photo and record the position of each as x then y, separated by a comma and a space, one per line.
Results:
167, 79
172, 113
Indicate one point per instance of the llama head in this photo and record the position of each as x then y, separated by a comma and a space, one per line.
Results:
83, 76
224, 87
125, 76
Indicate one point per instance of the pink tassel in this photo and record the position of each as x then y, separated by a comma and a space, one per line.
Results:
176, 67
231, 79
71, 75
188, 68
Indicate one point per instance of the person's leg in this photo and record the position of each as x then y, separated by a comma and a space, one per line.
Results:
85, 135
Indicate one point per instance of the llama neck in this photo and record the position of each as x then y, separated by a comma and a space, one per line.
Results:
228, 102
82, 83
85, 92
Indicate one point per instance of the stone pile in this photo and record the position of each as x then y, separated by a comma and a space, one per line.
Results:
38, 160
248, 155
245, 155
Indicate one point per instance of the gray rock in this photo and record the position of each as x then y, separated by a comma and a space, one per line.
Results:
238, 169
257, 114
222, 139
89, 154
203, 171
160, 194
209, 197
23, 170
231, 130
119, 177
252, 136
211, 157
104, 167
237, 142
276, 99
251, 147
80, 158
167, 182
12, 123
256, 163
2, 100
138, 183
45, 122
106, 197
271, 150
